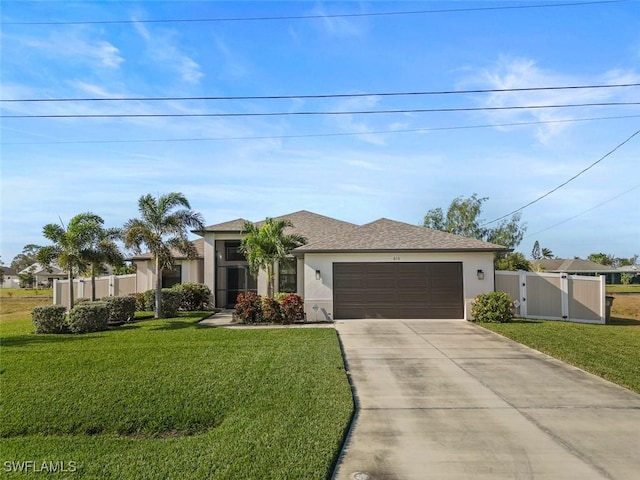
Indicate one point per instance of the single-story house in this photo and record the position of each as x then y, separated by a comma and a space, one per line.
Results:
9, 277
383, 269
575, 266
44, 275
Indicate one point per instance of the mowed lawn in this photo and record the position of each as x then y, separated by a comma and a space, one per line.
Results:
610, 351
170, 399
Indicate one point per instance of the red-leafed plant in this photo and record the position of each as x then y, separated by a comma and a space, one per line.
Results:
248, 308
292, 308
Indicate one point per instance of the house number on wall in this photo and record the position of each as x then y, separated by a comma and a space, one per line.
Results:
396, 258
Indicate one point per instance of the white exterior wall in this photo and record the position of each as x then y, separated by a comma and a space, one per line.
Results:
320, 292
145, 275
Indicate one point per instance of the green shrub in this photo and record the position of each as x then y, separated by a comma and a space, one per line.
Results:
121, 309
88, 317
49, 319
292, 308
148, 301
248, 308
271, 310
195, 296
495, 307
139, 299
279, 296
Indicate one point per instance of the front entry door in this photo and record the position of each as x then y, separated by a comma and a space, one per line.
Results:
238, 280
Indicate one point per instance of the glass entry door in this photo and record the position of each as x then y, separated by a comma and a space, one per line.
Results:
239, 280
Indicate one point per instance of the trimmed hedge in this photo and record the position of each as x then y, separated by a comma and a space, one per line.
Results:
49, 319
492, 307
121, 309
195, 296
88, 317
170, 299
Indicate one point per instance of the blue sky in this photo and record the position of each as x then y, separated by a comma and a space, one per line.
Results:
353, 167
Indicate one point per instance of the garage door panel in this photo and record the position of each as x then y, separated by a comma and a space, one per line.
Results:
398, 290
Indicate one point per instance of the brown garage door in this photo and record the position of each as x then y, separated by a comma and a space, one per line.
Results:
398, 290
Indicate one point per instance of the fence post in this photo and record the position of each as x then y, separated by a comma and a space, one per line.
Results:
80, 288
603, 299
55, 291
564, 295
522, 279
112, 285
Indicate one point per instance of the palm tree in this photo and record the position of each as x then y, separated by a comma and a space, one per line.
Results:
264, 246
162, 230
102, 250
546, 253
71, 244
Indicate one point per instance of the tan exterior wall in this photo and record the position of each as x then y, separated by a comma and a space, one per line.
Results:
320, 292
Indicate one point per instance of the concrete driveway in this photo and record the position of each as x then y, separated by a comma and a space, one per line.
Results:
450, 400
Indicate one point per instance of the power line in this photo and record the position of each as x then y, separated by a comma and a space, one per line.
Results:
332, 134
314, 16
311, 113
583, 212
318, 96
565, 183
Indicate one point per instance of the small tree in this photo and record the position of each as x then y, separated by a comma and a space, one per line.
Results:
266, 245
102, 250
535, 253
162, 230
71, 244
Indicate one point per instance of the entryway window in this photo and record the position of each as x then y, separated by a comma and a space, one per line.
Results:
288, 278
172, 277
232, 252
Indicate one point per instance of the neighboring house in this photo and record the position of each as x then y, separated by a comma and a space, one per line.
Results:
633, 271
44, 276
9, 278
384, 269
575, 266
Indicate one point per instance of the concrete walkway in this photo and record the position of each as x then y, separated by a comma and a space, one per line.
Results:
450, 400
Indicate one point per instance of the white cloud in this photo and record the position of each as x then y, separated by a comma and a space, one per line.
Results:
76, 44
163, 47
515, 72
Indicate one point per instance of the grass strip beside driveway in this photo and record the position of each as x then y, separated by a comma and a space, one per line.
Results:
610, 351
172, 399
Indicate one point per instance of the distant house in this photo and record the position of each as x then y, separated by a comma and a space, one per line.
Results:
9, 278
576, 266
44, 276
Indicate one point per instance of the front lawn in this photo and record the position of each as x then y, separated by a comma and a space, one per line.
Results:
172, 399
610, 351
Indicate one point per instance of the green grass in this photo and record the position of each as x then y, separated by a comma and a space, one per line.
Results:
26, 292
610, 351
635, 288
172, 399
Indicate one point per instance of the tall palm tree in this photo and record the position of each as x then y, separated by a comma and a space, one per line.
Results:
102, 250
70, 245
162, 230
264, 246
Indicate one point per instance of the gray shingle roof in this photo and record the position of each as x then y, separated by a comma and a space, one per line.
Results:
571, 265
199, 244
230, 226
311, 225
385, 234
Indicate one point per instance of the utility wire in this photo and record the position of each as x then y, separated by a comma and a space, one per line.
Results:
333, 134
565, 183
307, 17
309, 113
583, 212
329, 95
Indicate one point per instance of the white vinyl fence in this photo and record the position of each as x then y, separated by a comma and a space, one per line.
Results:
555, 296
108, 286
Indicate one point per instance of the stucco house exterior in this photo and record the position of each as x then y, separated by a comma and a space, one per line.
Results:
383, 269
